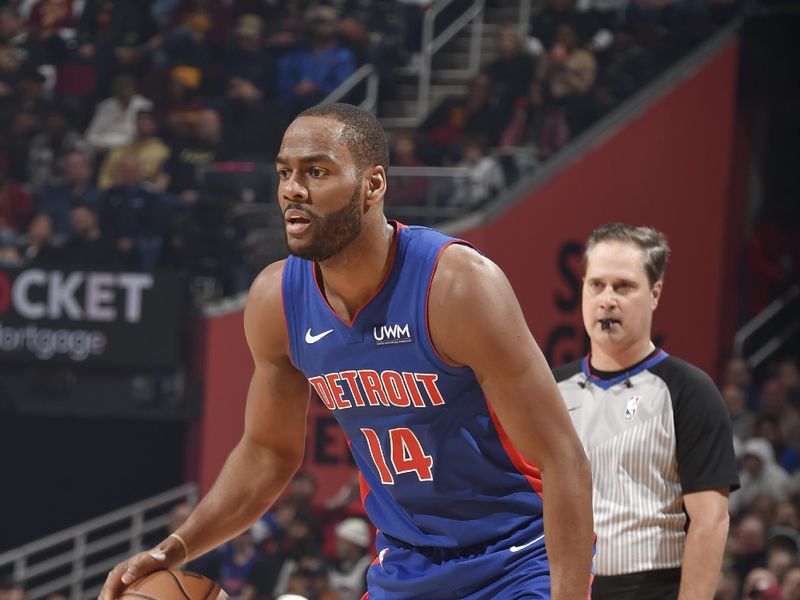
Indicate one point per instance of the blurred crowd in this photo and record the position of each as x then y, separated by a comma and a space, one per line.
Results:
136, 133
762, 558
311, 550
133, 132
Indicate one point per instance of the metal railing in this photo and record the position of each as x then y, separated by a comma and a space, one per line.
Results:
77, 559
431, 44
366, 73
770, 329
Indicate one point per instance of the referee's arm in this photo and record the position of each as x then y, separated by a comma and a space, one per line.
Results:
705, 542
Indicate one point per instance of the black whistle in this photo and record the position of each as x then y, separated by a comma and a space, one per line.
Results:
605, 324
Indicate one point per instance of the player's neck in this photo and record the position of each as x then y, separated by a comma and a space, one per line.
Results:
619, 358
352, 277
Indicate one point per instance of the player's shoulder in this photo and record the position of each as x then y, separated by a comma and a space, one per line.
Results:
567, 371
462, 262
266, 289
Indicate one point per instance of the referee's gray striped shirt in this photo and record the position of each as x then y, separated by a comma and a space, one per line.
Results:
627, 424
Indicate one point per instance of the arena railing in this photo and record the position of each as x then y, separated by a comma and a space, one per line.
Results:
770, 330
75, 561
365, 73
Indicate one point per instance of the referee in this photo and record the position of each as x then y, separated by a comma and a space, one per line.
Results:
655, 429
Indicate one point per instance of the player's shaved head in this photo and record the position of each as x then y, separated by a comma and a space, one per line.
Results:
362, 133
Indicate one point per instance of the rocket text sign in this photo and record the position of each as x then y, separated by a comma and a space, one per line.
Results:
93, 318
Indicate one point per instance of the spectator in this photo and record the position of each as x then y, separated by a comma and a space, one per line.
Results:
183, 103
536, 123
484, 176
788, 374
728, 586
406, 189
625, 68
779, 560
347, 577
475, 114
57, 139
787, 514
568, 72
775, 404
50, 17
760, 584
131, 213
75, 186
749, 545
786, 455
738, 373
16, 206
306, 76
86, 245
513, 70
791, 583
743, 420
108, 33
114, 121
191, 158
12, 590
238, 559
211, 15
546, 21
150, 149
376, 32
761, 475
20, 52
310, 579
250, 79
249, 66
39, 246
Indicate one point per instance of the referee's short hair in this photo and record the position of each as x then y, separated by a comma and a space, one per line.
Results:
363, 134
652, 242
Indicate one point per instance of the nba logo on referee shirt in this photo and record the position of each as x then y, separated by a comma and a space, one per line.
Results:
391, 334
630, 407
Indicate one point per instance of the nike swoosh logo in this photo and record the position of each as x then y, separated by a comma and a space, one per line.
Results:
518, 548
313, 339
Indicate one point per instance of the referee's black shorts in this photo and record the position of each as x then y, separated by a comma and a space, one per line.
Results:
647, 585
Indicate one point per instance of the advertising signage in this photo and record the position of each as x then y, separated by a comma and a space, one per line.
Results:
90, 318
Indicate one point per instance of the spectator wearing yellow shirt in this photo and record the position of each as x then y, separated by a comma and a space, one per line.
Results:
151, 151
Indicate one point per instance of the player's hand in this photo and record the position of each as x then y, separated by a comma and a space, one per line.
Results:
136, 567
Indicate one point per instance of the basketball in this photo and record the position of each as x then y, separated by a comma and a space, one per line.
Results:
174, 585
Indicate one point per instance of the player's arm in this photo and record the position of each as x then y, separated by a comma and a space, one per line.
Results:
268, 454
705, 542
475, 320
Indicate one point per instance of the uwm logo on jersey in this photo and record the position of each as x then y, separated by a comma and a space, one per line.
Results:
391, 334
349, 389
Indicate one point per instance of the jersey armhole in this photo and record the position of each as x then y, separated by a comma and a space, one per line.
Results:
447, 363
287, 316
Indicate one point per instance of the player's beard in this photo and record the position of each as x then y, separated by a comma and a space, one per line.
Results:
333, 232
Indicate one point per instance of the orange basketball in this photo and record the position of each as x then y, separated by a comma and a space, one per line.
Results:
174, 585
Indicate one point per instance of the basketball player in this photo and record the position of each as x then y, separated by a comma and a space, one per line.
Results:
417, 345
656, 430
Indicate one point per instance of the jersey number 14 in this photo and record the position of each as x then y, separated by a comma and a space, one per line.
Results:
405, 453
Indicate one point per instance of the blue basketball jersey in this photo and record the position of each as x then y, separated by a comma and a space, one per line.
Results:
437, 470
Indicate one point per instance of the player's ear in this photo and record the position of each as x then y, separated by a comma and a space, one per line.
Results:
376, 185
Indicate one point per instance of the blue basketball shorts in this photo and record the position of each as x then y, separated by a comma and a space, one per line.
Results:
510, 569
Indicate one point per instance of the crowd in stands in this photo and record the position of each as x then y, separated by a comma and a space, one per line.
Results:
762, 559
316, 551
118, 117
